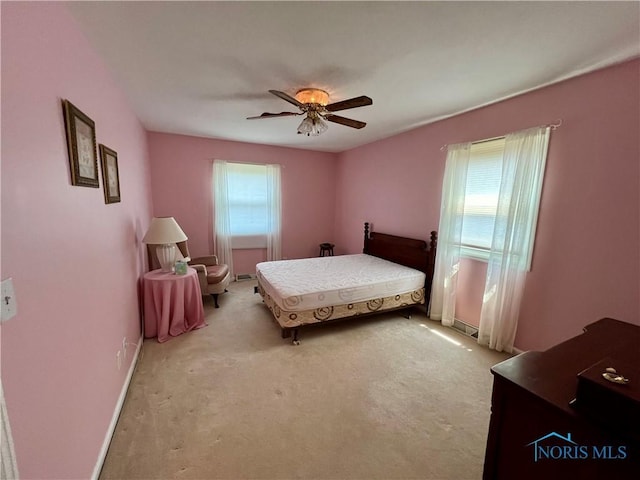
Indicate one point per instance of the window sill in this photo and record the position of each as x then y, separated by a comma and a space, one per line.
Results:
480, 254
248, 242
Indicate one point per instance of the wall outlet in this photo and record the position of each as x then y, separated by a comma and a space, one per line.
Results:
8, 299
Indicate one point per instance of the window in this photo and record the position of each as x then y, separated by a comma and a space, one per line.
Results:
481, 197
247, 205
483, 217
248, 210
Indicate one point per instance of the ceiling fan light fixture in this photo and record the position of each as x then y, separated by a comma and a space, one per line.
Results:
312, 126
313, 95
314, 103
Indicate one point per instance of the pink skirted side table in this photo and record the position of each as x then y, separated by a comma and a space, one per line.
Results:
172, 304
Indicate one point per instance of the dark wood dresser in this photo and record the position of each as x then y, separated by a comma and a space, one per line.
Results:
538, 429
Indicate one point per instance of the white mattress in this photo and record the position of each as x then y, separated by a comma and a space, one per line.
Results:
310, 283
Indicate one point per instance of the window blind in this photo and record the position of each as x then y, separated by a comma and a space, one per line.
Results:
248, 209
481, 194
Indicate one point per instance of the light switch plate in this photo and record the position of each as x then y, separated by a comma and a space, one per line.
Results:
8, 300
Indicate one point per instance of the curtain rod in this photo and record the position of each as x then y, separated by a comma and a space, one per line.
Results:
552, 126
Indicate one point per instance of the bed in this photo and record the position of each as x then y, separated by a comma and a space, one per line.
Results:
392, 273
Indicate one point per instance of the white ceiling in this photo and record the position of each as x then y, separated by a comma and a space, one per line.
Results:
201, 68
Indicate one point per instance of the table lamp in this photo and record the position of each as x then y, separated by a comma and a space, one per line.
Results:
165, 232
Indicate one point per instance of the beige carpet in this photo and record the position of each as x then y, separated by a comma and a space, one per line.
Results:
382, 397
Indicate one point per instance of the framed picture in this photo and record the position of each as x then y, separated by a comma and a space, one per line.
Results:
110, 174
81, 143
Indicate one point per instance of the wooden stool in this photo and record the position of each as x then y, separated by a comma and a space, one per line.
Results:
326, 248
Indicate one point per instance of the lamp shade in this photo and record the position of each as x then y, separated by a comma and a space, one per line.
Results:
164, 230
312, 125
312, 95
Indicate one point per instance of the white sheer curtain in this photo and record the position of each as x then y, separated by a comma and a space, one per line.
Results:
514, 232
443, 290
274, 208
222, 223
8, 465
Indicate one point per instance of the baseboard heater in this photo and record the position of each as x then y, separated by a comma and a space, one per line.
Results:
244, 276
465, 328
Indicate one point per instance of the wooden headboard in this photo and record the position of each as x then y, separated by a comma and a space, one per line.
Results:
405, 251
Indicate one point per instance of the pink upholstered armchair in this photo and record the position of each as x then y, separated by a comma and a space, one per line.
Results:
214, 277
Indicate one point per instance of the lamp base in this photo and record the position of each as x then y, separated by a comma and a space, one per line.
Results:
166, 256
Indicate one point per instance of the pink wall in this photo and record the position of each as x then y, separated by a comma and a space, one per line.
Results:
75, 261
391, 184
181, 179
471, 279
586, 261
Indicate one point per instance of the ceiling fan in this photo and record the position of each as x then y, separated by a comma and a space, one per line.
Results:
314, 103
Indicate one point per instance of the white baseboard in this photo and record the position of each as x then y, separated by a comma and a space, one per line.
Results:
116, 414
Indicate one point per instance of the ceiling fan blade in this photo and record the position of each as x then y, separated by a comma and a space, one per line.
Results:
286, 98
345, 121
271, 115
361, 101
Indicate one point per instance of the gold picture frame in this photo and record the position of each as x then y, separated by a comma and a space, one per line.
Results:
110, 174
81, 144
